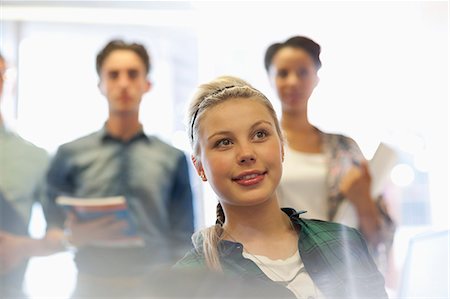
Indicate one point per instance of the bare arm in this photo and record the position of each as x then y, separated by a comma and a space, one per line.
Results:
14, 249
356, 187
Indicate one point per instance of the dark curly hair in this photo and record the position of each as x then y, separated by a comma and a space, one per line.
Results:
118, 44
298, 42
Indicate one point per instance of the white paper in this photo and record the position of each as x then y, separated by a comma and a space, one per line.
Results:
380, 167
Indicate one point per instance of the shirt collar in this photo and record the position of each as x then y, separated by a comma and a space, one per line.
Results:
106, 136
293, 214
227, 247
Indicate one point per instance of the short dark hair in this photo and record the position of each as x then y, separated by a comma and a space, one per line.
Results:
118, 44
299, 42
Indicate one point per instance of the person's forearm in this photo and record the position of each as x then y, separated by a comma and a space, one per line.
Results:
369, 221
51, 243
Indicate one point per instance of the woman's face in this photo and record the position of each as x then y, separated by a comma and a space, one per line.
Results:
240, 152
294, 75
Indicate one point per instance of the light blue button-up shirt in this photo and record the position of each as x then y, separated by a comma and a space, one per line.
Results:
22, 172
154, 178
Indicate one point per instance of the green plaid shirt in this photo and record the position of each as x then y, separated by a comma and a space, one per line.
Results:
335, 256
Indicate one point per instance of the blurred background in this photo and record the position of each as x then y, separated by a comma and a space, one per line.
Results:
384, 79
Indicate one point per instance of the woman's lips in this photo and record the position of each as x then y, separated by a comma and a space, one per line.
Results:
249, 179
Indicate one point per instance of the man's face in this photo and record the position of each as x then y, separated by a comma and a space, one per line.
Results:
2, 75
123, 81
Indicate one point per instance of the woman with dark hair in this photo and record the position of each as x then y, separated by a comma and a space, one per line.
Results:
238, 148
324, 174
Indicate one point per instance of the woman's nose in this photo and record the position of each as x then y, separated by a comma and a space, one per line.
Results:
246, 159
246, 155
292, 79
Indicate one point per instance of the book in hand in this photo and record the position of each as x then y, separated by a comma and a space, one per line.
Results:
380, 167
92, 208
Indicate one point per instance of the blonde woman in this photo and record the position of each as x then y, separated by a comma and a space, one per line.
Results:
238, 149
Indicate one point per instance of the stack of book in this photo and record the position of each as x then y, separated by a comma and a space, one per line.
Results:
87, 209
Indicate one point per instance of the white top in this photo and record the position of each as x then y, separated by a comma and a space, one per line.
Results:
290, 273
303, 184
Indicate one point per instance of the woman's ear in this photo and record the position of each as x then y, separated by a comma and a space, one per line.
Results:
148, 85
282, 153
316, 81
199, 168
196, 163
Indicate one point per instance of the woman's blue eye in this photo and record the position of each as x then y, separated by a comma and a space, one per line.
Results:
223, 142
261, 134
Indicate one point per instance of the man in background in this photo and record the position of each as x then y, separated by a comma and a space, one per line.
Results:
121, 160
22, 172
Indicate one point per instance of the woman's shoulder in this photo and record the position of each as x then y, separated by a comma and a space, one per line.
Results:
332, 246
317, 225
337, 138
342, 144
320, 229
192, 260
318, 232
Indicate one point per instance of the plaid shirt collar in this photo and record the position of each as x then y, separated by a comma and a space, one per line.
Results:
227, 248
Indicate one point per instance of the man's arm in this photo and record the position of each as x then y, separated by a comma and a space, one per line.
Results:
59, 181
14, 249
181, 211
15, 244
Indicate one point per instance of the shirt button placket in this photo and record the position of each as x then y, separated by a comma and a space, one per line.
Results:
124, 169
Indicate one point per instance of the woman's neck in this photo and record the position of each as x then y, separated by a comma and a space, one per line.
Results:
263, 230
301, 135
123, 126
264, 220
296, 121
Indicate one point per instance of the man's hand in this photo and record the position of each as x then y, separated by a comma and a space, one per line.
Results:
86, 232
